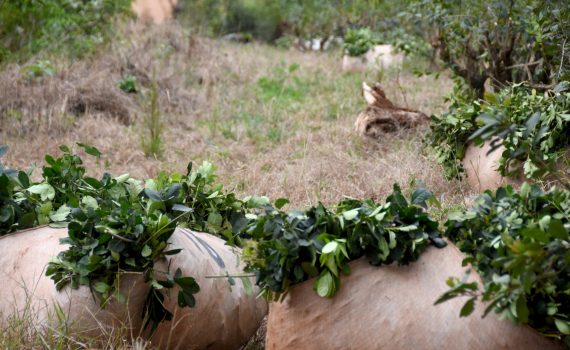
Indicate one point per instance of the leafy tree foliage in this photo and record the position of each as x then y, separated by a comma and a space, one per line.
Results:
533, 127
73, 26
519, 242
503, 41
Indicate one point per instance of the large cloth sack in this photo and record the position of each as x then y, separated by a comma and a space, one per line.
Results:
481, 170
154, 11
391, 307
221, 319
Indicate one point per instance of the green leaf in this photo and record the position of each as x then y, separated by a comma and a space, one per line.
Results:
325, 285
563, 326
182, 208
407, 228
247, 286
45, 191
556, 229
330, 247
522, 310
281, 202
146, 251
61, 214
420, 196
101, 287
89, 202
90, 149
350, 215
468, 308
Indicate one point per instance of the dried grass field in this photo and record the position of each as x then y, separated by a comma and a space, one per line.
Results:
275, 122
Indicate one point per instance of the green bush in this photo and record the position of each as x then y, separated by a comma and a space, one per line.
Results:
288, 248
519, 242
533, 127
503, 41
74, 27
357, 42
118, 223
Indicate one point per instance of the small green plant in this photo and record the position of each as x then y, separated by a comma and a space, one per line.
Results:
39, 69
128, 84
285, 249
284, 42
519, 242
152, 138
284, 87
357, 42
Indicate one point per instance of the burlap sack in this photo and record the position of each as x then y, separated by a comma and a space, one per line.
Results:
391, 307
221, 319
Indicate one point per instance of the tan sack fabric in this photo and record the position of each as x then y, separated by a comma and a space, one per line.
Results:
379, 57
221, 319
481, 170
155, 11
391, 308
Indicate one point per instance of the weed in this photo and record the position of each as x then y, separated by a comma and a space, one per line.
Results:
128, 84
152, 139
41, 68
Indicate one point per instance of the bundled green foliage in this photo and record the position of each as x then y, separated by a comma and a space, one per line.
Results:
16, 211
533, 127
288, 248
519, 242
73, 26
119, 225
357, 42
503, 41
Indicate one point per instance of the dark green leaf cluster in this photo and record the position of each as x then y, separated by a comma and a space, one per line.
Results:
519, 242
533, 127
16, 211
451, 130
284, 249
499, 41
357, 42
118, 225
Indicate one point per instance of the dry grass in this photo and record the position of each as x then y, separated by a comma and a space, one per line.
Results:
290, 135
271, 128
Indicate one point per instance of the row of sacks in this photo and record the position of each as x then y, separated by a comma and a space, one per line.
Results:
389, 307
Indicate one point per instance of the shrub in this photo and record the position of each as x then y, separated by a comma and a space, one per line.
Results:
519, 243
357, 42
533, 127
288, 248
116, 224
74, 27
128, 84
504, 41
